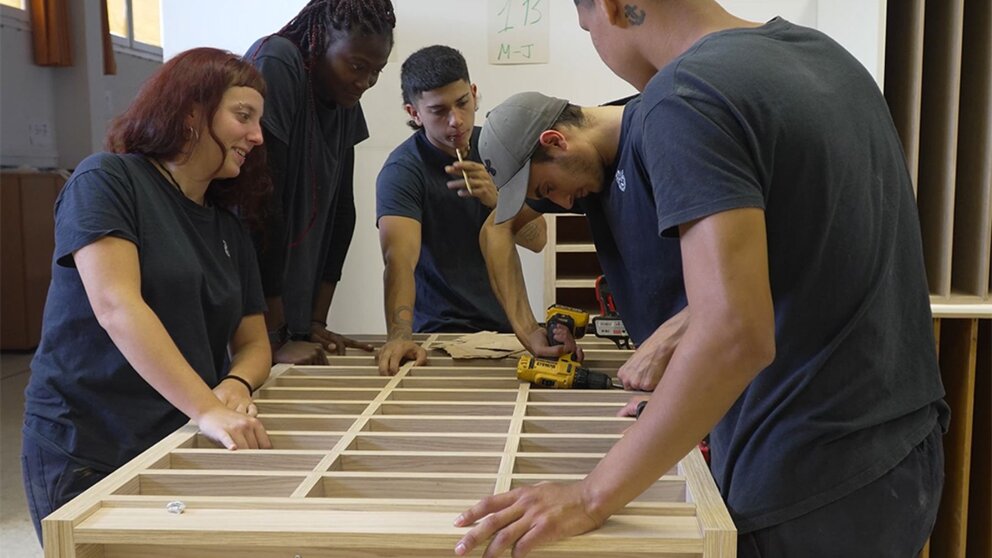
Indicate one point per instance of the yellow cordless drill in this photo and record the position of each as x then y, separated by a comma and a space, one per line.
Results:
566, 372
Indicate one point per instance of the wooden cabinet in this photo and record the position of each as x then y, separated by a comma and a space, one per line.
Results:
27, 201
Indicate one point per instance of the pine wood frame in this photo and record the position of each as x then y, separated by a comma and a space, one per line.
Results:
365, 465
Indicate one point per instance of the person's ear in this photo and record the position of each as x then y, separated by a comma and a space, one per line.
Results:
413, 113
475, 96
196, 118
553, 140
613, 11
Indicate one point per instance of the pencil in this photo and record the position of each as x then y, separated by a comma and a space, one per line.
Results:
465, 176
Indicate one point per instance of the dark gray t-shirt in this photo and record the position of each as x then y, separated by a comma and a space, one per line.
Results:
199, 276
784, 119
644, 272
310, 147
453, 292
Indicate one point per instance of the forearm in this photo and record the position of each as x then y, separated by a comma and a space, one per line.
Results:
400, 297
322, 302
533, 236
143, 340
506, 277
252, 362
729, 339
703, 380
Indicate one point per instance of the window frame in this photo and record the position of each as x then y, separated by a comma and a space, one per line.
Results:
15, 18
128, 45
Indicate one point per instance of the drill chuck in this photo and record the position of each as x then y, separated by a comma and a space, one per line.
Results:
587, 379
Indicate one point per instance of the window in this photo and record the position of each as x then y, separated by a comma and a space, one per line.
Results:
136, 24
14, 14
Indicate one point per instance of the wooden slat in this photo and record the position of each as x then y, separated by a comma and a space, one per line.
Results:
720, 537
960, 308
938, 137
583, 283
958, 345
904, 75
581, 247
973, 197
394, 533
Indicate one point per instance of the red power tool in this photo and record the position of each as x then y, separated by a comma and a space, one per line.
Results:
608, 324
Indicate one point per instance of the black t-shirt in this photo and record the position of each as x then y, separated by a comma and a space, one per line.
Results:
311, 153
199, 276
644, 271
784, 119
453, 292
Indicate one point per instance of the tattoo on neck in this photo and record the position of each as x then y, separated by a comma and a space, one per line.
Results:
401, 325
634, 14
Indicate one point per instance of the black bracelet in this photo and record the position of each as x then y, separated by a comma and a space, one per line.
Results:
251, 390
320, 323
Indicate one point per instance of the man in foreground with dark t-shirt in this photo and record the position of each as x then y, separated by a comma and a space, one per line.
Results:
809, 354
429, 218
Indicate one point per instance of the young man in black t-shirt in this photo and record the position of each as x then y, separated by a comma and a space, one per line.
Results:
809, 354
429, 219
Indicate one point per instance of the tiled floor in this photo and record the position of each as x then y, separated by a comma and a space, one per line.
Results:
17, 538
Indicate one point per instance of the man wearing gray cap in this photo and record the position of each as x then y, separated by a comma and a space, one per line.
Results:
809, 356
580, 159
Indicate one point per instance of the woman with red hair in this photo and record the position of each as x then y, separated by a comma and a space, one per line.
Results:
155, 311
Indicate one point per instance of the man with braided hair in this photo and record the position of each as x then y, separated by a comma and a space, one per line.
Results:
316, 69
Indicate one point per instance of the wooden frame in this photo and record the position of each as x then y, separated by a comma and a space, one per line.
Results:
365, 465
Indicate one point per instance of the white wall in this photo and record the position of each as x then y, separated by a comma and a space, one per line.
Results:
574, 72
54, 117
27, 99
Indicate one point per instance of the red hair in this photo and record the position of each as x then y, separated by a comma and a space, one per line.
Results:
154, 124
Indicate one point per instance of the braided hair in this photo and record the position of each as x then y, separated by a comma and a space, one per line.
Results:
310, 29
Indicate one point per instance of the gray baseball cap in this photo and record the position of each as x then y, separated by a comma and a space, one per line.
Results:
508, 140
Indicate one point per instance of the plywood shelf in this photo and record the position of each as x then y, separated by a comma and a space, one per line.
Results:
583, 247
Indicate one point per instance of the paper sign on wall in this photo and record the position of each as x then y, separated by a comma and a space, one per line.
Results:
518, 31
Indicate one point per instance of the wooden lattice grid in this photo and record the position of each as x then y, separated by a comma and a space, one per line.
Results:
365, 465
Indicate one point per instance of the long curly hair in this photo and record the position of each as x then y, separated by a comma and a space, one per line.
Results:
154, 124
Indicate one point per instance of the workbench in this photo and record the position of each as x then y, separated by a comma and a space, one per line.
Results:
364, 465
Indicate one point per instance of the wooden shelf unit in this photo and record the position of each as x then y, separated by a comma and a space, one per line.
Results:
365, 465
570, 263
